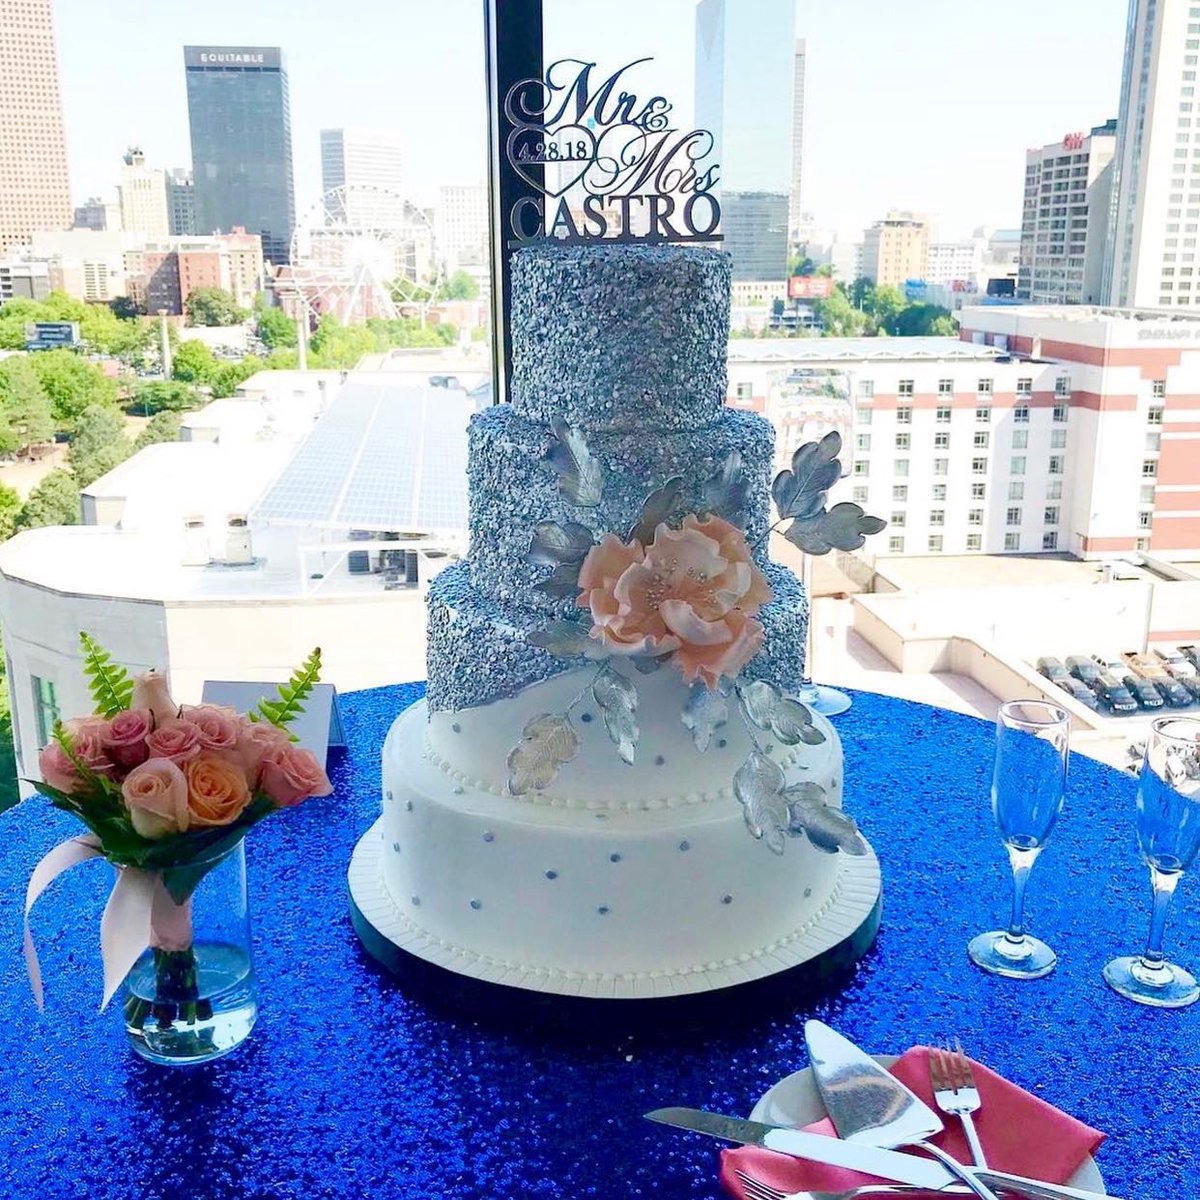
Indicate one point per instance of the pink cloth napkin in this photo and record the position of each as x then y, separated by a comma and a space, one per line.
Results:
1020, 1134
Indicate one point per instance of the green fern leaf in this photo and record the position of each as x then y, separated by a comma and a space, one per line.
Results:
109, 682
293, 694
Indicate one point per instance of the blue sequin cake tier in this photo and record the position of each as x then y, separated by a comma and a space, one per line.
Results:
478, 652
619, 336
512, 489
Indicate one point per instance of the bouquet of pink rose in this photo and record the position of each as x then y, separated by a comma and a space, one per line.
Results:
165, 791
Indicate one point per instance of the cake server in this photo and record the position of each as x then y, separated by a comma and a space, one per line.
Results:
891, 1165
866, 1104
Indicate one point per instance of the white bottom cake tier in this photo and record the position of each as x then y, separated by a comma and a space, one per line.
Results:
617, 882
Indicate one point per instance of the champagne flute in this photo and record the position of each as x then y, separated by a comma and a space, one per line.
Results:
1168, 829
1028, 784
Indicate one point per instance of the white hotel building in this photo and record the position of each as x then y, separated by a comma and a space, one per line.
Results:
1043, 429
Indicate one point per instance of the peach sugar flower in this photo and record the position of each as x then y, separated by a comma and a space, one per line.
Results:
693, 592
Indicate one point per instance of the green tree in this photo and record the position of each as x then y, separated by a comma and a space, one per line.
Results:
10, 509
213, 306
460, 286
126, 308
98, 444
193, 362
885, 303
919, 320
860, 289
55, 501
838, 317
58, 306
229, 375
164, 395
162, 427
73, 384
276, 329
24, 402
14, 316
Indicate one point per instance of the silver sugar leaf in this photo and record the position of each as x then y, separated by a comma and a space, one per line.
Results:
758, 785
758, 702
580, 476
826, 827
726, 492
645, 665
547, 741
802, 491
791, 722
845, 527
703, 714
563, 582
553, 544
658, 508
618, 699
566, 638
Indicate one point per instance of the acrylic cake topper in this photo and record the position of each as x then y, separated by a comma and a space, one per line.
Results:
613, 166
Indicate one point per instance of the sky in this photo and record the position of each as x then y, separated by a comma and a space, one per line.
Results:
920, 104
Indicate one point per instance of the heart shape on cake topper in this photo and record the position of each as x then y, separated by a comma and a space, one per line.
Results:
566, 146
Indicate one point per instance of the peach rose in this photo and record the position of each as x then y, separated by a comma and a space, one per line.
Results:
217, 791
156, 794
290, 775
150, 691
217, 726
57, 769
255, 740
174, 739
126, 739
693, 592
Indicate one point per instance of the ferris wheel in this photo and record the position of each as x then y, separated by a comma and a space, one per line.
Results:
362, 251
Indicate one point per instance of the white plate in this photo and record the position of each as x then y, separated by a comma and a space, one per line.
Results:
795, 1101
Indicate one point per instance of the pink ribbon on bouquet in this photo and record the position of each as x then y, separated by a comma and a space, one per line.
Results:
139, 911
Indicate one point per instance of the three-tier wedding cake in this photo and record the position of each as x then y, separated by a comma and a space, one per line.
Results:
608, 703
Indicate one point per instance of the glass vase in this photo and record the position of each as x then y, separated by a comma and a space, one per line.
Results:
190, 997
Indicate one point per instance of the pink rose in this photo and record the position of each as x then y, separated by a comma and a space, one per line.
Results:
57, 769
156, 794
217, 726
88, 737
694, 592
174, 739
290, 775
126, 740
150, 691
255, 741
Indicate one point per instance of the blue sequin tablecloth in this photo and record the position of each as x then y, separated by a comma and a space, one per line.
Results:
349, 1087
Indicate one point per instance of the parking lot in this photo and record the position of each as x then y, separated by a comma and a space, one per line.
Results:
1129, 683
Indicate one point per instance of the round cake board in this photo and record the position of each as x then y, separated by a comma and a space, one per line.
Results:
801, 968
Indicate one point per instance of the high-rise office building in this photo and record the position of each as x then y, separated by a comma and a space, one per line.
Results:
367, 163
143, 192
896, 249
241, 133
1064, 226
796, 209
98, 214
745, 76
462, 224
34, 190
1151, 250
181, 202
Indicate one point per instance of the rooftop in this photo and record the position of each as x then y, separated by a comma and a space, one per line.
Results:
857, 349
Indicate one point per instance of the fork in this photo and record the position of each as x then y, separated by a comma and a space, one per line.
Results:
955, 1092
757, 1190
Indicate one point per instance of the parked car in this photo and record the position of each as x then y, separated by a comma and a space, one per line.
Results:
1116, 667
1174, 693
1080, 691
1148, 666
1192, 654
1052, 669
1174, 661
1083, 668
1146, 692
444, 381
1113, 695
1193, 687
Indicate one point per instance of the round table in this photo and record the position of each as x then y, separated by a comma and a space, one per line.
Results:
349, 1087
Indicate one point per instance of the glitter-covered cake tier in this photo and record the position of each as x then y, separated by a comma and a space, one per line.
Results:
478, 651
512, 489
620, 337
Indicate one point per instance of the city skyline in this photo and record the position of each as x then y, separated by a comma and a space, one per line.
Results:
977, 98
